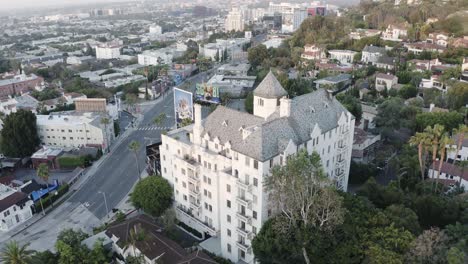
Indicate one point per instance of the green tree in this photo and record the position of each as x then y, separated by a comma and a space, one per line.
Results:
449, 120
134, 147
256, 55
19, 134
13, 253
408, 91
248, 103
352, 104
429, 247
403, 217
457, 95
304, 198
160, 119
152, 194
43, 172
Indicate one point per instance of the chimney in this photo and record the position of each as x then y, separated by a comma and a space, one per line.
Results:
197, 128
285, 107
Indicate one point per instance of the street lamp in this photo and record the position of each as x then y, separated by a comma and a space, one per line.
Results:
105, 201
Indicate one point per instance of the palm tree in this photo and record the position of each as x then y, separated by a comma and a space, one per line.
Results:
463, 164
13, 253
461, 132
445, 142
159, 120
422, 141
435, 133
105, 121
134, 146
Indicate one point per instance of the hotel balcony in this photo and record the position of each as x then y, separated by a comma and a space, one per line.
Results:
246, 187
243, 232
243, 201
243, 246
243, 217
195, 193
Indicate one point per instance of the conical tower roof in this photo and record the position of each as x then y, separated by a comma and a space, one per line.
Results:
270, 87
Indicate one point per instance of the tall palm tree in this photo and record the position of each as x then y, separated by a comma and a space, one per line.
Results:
434, 133
105, 121
421, 139
445, 143
461, 132
134, 146
13, 253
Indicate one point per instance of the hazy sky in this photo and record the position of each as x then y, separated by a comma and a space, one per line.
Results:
13, 4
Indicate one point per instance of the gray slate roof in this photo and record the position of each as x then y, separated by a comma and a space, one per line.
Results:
374, 49
270, 88
270, 137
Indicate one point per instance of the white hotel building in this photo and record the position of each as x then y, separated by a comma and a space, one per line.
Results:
73, 130
217, 165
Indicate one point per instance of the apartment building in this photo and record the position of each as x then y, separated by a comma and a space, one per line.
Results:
74, 129
217, 165
15, 208
108, 51
19, 84
234, 21
385, 81
371, 54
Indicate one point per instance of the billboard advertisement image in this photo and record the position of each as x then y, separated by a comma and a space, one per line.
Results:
207, 93
183, 105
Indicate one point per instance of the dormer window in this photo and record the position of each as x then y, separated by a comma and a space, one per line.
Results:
225, 124
312, 109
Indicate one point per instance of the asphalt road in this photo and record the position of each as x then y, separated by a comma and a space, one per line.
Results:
118, 172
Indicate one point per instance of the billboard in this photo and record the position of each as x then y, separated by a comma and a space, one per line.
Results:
207, 93
183, 105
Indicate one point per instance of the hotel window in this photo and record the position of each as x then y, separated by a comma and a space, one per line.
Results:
271, 163
247, 161
228, 218
185, 197
229, 232
254, 230
260, 102
254, 214
228, 203
228, 188
255, 163
184, 185
255, 182
229, 248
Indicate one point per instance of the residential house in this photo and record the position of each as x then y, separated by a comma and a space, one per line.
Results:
464, 70
15, 208
395, 32
365, 145
371, 54
25, 102
334, 83
433, 82
217, 167
386, 63
313, 52
385, 81
424, 65
368, 115
364, 33
462, 154
418, 47
438, 38
343, 56
450, 174
152, 245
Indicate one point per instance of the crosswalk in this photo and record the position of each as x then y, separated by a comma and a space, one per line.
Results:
148, 128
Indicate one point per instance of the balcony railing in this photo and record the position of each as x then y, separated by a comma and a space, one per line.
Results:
243, 201
243, 217
243, 232
244, 186
243, 246
194, 192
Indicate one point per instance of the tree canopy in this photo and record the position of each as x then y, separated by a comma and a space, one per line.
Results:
153, 194
19, 134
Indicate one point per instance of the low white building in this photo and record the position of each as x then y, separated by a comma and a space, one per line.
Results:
385, 81
450, 174
364, 33
313, 52
108, 51
155, 30
371, 54
463, 153
438, 38
395, 33
158, 57
433, 82
211, 50
343, 56
73, 129
15, 208
217, 166
75, 60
